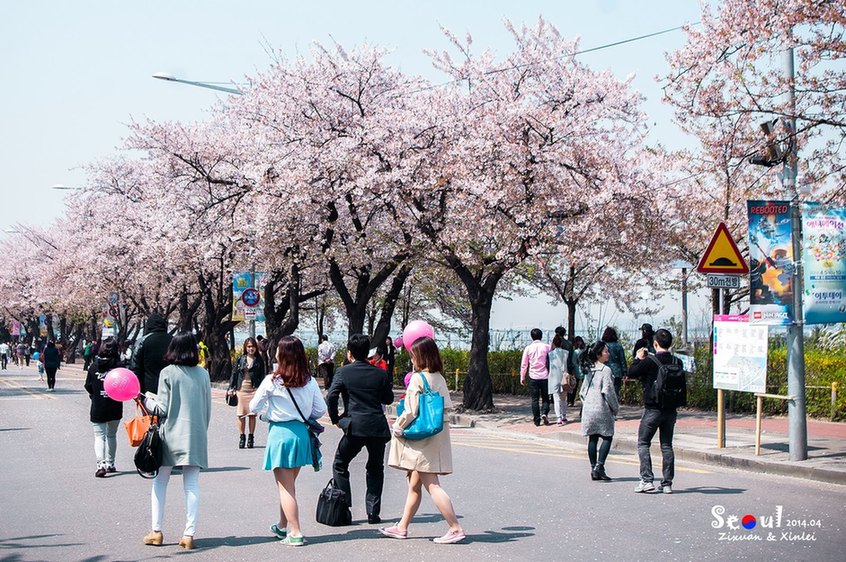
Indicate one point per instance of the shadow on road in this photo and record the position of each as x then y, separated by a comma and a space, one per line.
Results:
511, 534
15, 429
16, 543
216, 542
717, 490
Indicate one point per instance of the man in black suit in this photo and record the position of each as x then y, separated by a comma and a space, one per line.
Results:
364, 389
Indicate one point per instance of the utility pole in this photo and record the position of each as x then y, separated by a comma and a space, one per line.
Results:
796, 415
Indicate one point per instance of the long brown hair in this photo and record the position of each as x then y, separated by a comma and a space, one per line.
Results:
425, 355
292, 363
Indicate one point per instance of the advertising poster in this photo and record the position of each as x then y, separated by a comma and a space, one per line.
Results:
770, 263
42, 325
824, 261
740, 354
16, 328
246, 303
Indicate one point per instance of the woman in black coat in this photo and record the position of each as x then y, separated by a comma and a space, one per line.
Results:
105, 412
51, 358
247, 374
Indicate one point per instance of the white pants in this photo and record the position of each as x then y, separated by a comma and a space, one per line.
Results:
105, 442
191, 486
559, 399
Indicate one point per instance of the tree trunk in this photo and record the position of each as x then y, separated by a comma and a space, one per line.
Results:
217, 304
478, 388
383, 328
571, 317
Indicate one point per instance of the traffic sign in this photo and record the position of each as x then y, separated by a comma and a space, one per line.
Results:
251, 297
722, 255
723, 281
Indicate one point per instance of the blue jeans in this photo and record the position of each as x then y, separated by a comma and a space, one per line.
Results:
662, 421
539, 390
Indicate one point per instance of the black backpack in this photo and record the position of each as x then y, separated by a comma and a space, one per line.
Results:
670, 386
148, 457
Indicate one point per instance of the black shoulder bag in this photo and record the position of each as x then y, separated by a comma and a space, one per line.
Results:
314, 430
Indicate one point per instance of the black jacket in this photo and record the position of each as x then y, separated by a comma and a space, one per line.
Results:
647, 372
103, 408
148, 359
257, 372
364, 389
50, 357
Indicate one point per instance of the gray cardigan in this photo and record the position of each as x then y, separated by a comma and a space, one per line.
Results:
184, 398
599, 401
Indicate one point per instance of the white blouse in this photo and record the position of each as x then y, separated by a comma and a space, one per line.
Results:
273, 395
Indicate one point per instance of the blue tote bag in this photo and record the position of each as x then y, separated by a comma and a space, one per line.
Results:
430, 415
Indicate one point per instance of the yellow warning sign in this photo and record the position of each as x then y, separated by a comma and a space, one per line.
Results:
722, 255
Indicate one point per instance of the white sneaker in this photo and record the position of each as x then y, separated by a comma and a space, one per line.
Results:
666, 489
644, 487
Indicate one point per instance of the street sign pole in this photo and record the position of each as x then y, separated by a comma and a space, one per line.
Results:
797, 436
721, 398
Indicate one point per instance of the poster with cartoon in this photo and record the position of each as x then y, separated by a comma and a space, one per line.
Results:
251, 308
824, 261
770, 263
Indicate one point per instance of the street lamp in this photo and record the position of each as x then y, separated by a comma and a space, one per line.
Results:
63, 187
684, 266
210, 85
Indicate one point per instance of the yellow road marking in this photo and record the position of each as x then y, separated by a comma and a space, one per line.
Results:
17, 386
495, 445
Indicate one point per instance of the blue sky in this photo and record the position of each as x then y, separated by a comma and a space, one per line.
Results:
76, 72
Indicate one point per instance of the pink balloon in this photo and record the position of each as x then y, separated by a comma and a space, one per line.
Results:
398, 342
121, 384
415, 330
408, 378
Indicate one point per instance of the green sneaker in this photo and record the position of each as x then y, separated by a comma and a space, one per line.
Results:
280, 533
291, 540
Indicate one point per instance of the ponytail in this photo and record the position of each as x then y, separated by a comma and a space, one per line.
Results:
590, 356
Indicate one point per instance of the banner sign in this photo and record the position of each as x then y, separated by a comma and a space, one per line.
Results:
16, 328
824, 261
740, 354
42, 325
248, 297
770, 263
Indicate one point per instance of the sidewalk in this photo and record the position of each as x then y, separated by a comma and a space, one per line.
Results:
695, 438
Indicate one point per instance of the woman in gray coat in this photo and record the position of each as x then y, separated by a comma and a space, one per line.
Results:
599, 406
184, 401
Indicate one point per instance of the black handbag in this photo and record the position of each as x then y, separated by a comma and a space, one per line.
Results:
332, 507
231, 399
314, 431
148, 457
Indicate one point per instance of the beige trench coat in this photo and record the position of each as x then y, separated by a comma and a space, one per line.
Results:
433, 454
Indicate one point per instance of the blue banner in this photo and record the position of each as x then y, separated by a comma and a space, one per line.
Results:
770, 263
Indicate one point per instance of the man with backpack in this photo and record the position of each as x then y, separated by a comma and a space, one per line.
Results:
664, 389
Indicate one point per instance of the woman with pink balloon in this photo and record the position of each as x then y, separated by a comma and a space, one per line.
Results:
107, 387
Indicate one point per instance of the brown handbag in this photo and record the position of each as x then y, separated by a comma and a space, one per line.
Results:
137, 427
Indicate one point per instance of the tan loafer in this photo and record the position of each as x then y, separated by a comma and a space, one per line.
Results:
154, 538
187, 542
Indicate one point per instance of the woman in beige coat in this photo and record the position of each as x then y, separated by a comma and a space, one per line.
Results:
424, 459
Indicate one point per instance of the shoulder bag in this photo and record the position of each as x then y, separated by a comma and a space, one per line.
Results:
314, 430
137, 427
430, 414
148, 457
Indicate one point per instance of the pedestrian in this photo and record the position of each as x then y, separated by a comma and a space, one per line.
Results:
424, 460
326, 361
617, 359
647, 336
263, 346
559, 358
534, 363
20, 352
576, 368
27, 353
50, 357
4, 355
390, 356
184, 402
364, 390
599, 407
87, 355
148, 359
126, 353
289, 445
376, 357
105, 413
657, 416
248, 372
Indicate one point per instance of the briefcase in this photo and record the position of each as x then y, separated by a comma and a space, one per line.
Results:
332, 507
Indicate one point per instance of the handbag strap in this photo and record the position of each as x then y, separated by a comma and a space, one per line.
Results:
426, 389
294, 400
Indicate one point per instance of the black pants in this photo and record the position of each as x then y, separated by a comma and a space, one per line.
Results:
664, 422
539, 390
348, 448
327, 371
86, 363
597, 458
571, 396
4, 360
51, 376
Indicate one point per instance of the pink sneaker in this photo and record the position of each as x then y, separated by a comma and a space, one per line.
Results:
394, 532
451, 537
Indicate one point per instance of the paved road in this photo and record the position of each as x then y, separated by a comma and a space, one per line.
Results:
520, 498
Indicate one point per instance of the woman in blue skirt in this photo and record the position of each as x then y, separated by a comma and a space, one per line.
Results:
288, 442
